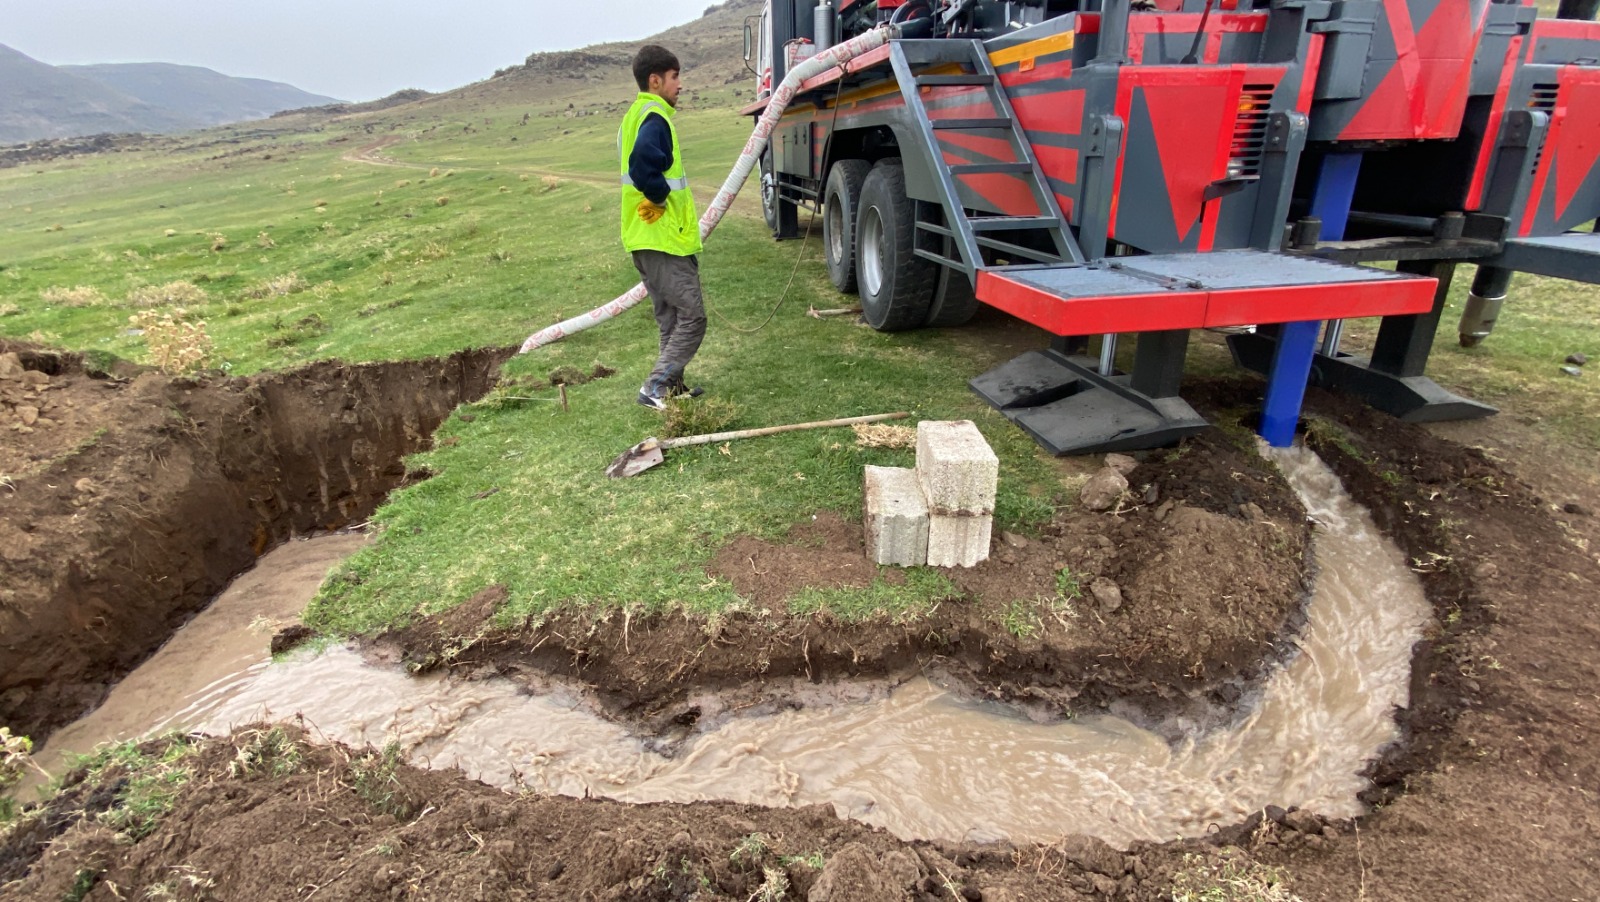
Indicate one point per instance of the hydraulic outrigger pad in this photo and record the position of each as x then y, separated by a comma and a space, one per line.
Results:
1069, 408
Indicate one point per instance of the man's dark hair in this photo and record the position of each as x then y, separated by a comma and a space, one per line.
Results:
652, 60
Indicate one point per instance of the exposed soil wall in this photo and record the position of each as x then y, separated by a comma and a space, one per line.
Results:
144, 496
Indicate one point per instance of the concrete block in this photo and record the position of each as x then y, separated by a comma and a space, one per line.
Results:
956, 467
897, 517
957, 540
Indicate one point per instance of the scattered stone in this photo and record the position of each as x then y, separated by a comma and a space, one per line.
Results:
1093, 854
1013, 540
855, 873
1103, 489
29, 415
1572, 371
1122, 463
1304, 821
1578, 359
11, 366
1573, 507
289, 637
1107, 594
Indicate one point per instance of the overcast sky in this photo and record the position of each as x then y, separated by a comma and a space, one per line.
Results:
349, 49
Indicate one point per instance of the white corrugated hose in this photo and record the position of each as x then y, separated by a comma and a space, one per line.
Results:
835, 56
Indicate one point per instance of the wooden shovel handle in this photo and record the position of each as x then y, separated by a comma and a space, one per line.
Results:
772, 430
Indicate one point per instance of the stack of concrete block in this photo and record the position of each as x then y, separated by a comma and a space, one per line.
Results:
942, 512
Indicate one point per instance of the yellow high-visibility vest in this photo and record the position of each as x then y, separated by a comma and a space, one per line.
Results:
677, 232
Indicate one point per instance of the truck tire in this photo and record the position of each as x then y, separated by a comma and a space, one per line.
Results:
896, 285
953, 301
841, 199
782, 217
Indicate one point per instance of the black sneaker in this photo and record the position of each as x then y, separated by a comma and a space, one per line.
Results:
651, 401
678, 388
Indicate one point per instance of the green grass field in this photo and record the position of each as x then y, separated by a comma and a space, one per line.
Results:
291, 246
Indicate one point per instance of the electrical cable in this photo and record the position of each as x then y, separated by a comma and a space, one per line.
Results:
1193, 56
784, 295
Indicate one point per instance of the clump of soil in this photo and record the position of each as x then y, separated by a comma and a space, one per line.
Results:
142, 497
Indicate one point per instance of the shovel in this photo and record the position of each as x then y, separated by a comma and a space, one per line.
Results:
647, 453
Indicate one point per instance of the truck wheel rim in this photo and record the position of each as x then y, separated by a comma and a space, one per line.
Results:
835, 233
871, 251
769, 195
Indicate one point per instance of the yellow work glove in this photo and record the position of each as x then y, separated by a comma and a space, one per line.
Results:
650, 212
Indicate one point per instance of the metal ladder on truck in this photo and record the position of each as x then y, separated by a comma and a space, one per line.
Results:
965, 233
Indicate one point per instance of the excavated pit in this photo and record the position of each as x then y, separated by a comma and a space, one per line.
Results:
922, 759
138, 497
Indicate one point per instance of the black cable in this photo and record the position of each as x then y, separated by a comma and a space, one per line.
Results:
1193, 56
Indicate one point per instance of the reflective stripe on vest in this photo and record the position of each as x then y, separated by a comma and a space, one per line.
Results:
674, 184
677, 232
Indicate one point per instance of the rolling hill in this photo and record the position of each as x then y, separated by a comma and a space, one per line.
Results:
38, 100
200, 93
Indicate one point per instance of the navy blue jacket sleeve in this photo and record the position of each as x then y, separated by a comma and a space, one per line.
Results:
651, 158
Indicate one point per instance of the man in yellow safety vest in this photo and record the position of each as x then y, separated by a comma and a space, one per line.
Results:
659, 225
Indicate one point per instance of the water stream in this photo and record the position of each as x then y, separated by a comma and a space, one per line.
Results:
923, 762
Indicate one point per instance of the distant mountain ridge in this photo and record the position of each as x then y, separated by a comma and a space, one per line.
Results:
38, 100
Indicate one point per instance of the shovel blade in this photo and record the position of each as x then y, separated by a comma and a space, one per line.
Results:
636, 460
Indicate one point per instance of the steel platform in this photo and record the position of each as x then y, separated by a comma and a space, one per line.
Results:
1194, 291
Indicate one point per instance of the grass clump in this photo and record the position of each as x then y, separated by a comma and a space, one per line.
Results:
687, 416
277, 287
271, 752
177, 345
1068, 586
774, 886
814, 861
178, 293
15, 758
77, 296
150, 776
1020, 620
1229, 878
374, 778
750, 849
309, 326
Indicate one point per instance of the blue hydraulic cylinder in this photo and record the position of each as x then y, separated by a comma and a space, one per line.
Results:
1297, 342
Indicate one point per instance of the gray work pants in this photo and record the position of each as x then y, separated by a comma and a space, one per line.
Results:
674, 286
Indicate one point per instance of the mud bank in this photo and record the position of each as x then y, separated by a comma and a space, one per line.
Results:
142, 496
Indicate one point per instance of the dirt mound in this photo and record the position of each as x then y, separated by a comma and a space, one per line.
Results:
130, 502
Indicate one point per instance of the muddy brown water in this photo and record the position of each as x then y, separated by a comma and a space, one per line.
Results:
923, 760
